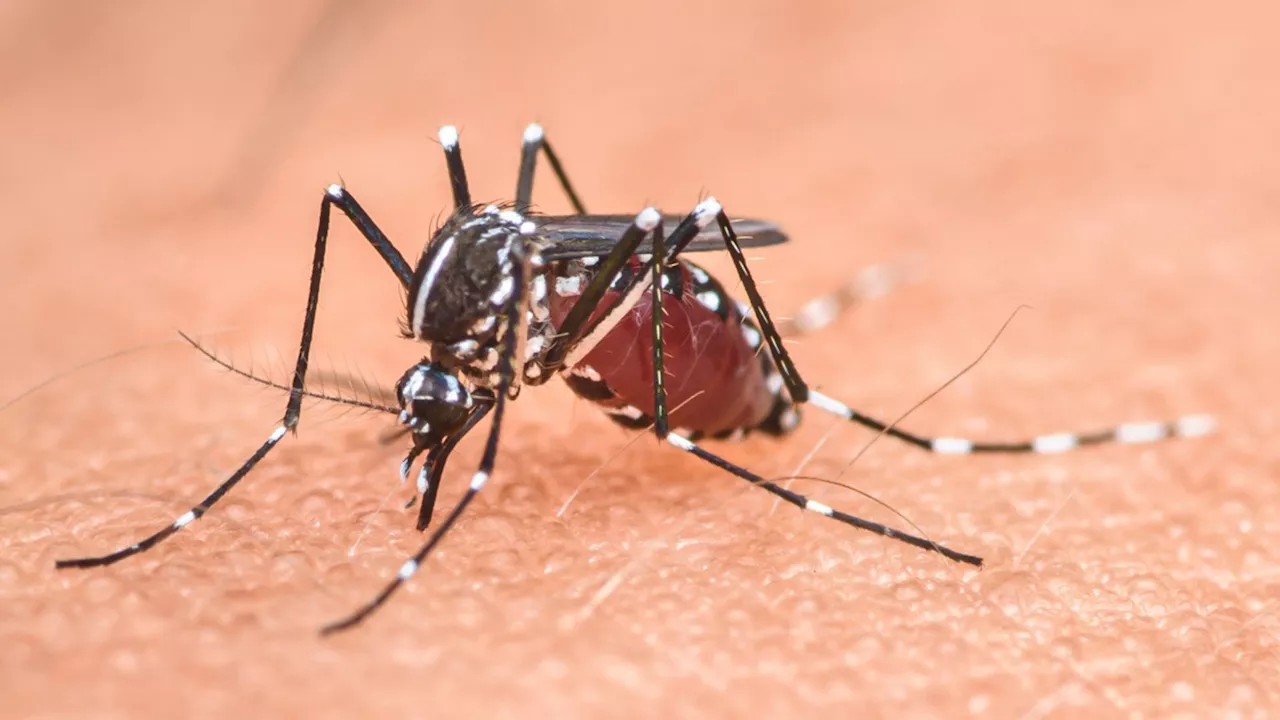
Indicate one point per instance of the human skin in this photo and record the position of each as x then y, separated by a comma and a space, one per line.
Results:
1114, 169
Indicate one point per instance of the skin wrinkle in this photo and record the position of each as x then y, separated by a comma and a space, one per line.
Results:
1112, 179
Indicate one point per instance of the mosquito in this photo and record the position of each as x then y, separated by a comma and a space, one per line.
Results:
503, 298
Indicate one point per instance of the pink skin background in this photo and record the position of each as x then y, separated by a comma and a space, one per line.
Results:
1114, 166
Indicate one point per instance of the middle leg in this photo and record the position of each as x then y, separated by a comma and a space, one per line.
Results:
705, 213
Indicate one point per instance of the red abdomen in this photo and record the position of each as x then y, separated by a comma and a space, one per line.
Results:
716, 382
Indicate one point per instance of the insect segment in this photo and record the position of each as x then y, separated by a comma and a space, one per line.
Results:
503, 298
716, 378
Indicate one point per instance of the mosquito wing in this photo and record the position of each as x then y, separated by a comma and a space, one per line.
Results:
577, 236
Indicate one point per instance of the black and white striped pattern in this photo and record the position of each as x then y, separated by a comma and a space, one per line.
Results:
819, 312
493, 345
810, 505
195, 513
1128, 433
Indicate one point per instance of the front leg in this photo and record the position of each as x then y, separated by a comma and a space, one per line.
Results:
507, 368
335, 195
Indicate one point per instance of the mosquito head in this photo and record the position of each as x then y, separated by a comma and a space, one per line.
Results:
463, 285
433, 401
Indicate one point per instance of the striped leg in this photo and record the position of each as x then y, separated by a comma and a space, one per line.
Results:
1128, 433
410, 566
535, 138
871, 283
1135, 432
431, 471
335, 195
702, 216
805, 503
508, 367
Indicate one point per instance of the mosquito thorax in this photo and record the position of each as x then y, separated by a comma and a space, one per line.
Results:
462, 285
433, 401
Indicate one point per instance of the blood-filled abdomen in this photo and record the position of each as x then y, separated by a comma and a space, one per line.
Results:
717, 381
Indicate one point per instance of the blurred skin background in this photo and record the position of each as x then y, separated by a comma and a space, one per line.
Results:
1114, 168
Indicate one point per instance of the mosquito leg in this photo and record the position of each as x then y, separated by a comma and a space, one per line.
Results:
1134, 432
432, 470
508, 366
410, 566
702, 216
335, 195
660, 420
819, 312
457, 173
805, 503
534, 138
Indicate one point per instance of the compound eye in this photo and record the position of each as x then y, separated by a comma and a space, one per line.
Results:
435, 402
425, 381
435, 419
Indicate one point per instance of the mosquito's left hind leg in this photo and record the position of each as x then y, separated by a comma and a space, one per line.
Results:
800, 392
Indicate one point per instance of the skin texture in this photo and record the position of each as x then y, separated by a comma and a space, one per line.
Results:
1115, 168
